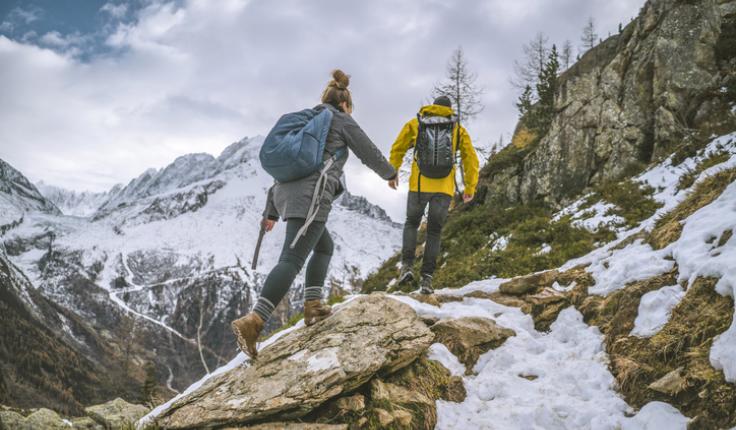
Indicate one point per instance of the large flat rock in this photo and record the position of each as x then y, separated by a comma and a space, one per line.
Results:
369, 335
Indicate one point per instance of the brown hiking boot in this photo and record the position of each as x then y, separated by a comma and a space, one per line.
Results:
247, 329
315, 311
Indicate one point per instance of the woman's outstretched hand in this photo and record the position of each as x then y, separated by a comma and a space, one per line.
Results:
394, 183
467, 198
268, 224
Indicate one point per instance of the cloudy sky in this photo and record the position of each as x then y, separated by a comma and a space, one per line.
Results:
94, 92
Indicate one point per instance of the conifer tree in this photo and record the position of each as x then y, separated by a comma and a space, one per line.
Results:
525, 101
546, 90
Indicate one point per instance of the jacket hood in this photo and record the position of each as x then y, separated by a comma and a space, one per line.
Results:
436, 110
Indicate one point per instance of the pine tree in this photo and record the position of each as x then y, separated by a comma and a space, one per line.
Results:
546, 91
461, 88
589, 36
525, 101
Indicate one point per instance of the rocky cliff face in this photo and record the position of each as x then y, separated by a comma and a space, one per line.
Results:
667, 82
18, 195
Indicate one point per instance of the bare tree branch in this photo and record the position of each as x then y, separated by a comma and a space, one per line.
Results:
460, 87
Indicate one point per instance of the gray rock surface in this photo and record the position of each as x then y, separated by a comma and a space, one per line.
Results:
368, 336
116, 413
662, 82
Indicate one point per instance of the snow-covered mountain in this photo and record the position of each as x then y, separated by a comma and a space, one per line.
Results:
18, 195
75, 203
173, 248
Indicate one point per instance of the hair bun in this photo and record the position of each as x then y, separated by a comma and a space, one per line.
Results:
340, 79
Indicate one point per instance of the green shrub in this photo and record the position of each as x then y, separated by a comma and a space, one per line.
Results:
468, 252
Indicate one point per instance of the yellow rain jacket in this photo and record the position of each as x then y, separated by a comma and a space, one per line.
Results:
406, 140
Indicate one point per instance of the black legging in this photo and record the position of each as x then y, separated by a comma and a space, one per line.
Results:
291, 261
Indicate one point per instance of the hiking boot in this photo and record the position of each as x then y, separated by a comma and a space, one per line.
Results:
247, 329
315, 311
406, 276
425, 285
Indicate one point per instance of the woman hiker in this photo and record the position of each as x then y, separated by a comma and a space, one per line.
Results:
291, 201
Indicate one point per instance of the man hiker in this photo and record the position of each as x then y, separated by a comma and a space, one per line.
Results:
436, 137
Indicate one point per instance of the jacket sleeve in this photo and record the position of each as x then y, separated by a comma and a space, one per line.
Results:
270, 212
404, 141
470, 162
363, 147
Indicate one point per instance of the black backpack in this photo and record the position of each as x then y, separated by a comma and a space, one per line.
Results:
433, 149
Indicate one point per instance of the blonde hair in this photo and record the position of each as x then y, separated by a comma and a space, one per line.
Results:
337, 90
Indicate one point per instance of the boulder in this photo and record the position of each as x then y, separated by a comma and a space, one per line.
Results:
11, 420
670, 384
38, 419
469, 337
367, 336
116, 413
529, 283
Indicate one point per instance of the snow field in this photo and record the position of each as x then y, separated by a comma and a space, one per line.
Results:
555, 380
696, 253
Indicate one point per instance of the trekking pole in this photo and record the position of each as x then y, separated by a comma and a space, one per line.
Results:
258, 244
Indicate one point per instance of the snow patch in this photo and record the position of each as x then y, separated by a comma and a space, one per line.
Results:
440, 353
655, 309
635, 262
656, 416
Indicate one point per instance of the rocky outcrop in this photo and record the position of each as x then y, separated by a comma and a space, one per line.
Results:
469, 337
116, 413
368, 337
542, 295
113, 415
19, 194
667, 81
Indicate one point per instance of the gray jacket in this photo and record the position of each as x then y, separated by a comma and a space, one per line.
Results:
292, 199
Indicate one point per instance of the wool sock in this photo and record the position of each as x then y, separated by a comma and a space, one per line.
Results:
313, 293
264, 308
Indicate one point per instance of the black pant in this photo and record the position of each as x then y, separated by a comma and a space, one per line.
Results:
439, 205
291, 261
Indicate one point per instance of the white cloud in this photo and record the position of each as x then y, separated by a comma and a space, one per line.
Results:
195, 76
115, 10
25, 14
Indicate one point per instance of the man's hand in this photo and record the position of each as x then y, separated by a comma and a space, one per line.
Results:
268, 224
467, 198
394, 183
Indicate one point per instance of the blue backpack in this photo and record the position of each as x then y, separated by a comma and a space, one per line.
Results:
294, 148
